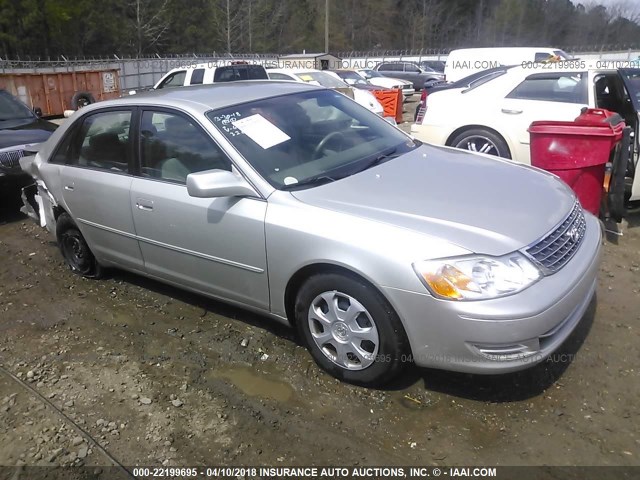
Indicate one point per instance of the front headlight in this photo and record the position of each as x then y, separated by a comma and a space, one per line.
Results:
477, 277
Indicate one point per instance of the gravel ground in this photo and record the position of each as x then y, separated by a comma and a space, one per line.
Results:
129, 369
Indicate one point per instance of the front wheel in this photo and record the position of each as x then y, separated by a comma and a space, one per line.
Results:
482, 141
350, 329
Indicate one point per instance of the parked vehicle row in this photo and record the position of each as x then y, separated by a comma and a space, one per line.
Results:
491, 112
20, 129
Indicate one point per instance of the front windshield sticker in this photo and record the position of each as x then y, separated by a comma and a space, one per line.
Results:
226, 122
261, 131
290, 180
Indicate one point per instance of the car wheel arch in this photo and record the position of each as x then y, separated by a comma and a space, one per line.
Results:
465, 128
301, 275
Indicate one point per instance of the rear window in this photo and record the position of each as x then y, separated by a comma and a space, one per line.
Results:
561, 87
233, 73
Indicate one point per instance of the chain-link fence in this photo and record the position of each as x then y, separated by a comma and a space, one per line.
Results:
144, 72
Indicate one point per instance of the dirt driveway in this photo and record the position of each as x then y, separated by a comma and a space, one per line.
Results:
132, 370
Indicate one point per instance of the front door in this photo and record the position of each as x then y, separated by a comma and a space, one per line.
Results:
213, 245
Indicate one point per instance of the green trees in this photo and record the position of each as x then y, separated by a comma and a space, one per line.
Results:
45, 28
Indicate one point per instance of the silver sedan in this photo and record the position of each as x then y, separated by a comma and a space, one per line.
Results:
295, 202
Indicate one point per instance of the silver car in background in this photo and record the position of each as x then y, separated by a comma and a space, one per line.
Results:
293, 201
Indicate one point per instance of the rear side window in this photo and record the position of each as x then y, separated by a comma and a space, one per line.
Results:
174, 80
408, 67
560, 87
103, 142
197, 76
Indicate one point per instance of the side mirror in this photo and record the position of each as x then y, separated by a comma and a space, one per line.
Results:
218, 183
37, 111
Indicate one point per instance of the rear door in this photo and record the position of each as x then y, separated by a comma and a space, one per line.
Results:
540, 96
96, 180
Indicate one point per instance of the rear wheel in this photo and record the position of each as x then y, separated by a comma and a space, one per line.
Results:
75, 250
482, 141
350, 329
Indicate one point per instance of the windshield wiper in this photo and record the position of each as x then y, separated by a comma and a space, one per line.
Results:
383, 157
310, 182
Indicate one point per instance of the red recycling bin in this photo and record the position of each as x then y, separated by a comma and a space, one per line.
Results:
577, 151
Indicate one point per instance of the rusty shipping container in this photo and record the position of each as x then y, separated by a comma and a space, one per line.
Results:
54, 92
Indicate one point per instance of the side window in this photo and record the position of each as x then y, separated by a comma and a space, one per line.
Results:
172, 147
63, 152
408, 67
103, 141
174, 80
197, 76
542, 57
564, 87
279, 76
385, 67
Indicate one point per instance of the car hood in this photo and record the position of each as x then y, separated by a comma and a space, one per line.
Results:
21, 132
480, 203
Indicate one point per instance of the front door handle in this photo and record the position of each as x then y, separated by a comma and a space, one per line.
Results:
511, 112
144, 204
68, 187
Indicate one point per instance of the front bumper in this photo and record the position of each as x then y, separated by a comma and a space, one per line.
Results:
482, 336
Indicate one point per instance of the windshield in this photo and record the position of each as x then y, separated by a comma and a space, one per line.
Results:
295, 139
12, 109
352, 78
372, 73
562, 54
321, 78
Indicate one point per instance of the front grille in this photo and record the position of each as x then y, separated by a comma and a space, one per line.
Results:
11, 160
556, 249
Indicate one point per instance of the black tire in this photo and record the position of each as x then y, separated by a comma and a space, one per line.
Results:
81, 99
75, 250
480, 136
392, 344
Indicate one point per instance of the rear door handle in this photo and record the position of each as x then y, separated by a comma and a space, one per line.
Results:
144, 204
511, 112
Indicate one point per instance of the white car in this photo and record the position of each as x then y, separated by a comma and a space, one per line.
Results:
326, 79
375, 78
206, 73
493, 114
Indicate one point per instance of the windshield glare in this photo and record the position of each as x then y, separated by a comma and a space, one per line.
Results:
12, 109
293, 138
322, 78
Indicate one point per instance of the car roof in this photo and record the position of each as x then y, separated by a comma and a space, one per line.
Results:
294, 71
202, 98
